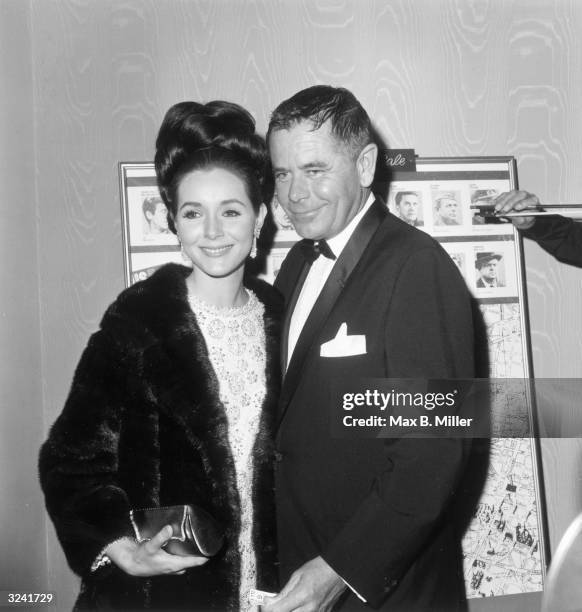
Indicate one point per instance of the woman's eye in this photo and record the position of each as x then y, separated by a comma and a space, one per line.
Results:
191, 214
231, 213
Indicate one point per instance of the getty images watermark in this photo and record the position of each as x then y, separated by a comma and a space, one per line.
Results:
466, 408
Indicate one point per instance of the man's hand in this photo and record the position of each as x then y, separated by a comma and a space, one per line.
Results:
149, 558
314, 587
517, 201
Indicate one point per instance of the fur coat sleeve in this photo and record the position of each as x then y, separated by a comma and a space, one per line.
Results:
143, 426
79, 462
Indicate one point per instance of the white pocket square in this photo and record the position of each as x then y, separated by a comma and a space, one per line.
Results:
343, 345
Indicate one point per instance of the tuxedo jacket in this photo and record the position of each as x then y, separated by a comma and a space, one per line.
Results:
378, 511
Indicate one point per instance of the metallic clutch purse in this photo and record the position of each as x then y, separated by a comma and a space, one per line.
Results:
195, 532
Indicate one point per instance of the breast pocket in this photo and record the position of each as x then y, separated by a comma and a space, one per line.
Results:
344, 344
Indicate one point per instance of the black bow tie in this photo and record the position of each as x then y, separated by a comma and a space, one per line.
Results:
312, 250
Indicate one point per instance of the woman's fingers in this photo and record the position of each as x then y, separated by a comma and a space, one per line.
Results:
152, 546
171, 564
190, 561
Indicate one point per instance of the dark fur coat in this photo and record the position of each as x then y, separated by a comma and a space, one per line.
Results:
143, 426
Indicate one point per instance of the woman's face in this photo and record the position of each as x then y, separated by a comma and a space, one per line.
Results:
215, 220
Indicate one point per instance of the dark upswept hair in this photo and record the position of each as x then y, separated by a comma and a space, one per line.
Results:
197, 136
350, 123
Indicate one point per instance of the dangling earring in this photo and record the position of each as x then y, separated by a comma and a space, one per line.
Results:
183, 253
256, 233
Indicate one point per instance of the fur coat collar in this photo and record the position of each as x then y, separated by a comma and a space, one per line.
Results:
145, 427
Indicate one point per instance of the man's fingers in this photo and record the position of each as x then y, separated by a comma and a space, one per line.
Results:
288, 600
280, 604
284, 600
515, 200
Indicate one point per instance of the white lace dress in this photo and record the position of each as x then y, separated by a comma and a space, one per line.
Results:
235, 338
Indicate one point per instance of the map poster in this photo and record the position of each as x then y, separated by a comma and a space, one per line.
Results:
504, 547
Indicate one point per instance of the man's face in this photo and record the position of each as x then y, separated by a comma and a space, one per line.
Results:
408, 208
489, 271
448, 209
316, 178
159, 219
215, 221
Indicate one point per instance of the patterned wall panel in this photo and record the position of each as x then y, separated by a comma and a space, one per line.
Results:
447, 77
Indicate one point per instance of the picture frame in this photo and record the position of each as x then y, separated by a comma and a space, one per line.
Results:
147, 241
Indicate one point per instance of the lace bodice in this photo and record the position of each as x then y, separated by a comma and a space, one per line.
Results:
235, 338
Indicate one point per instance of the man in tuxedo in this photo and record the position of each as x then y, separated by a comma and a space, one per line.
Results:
360, 520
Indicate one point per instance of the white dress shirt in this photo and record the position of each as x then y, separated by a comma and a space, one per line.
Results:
318, 274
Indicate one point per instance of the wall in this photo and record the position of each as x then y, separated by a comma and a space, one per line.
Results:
448, 77
23, 562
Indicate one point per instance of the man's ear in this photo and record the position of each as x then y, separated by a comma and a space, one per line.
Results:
366, 164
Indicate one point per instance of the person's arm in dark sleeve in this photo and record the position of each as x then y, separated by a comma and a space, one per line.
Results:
559, 236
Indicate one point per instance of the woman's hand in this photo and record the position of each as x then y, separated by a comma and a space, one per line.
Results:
149, 558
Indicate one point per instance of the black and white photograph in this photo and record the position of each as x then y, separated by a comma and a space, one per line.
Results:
408, 206
234, 233
490, 270
447, 210
495, 269
459, 259
285, 229
155, 219
482, 201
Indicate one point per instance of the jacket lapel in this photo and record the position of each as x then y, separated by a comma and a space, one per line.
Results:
324, 304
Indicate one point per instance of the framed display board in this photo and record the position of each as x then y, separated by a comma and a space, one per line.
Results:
504, 547
147, 241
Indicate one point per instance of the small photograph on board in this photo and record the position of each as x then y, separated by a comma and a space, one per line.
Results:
285, 230
447, 211
481, 197
155, 219
407, 205
459, 259
490, 269
274, 261
462, 254
148, 217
